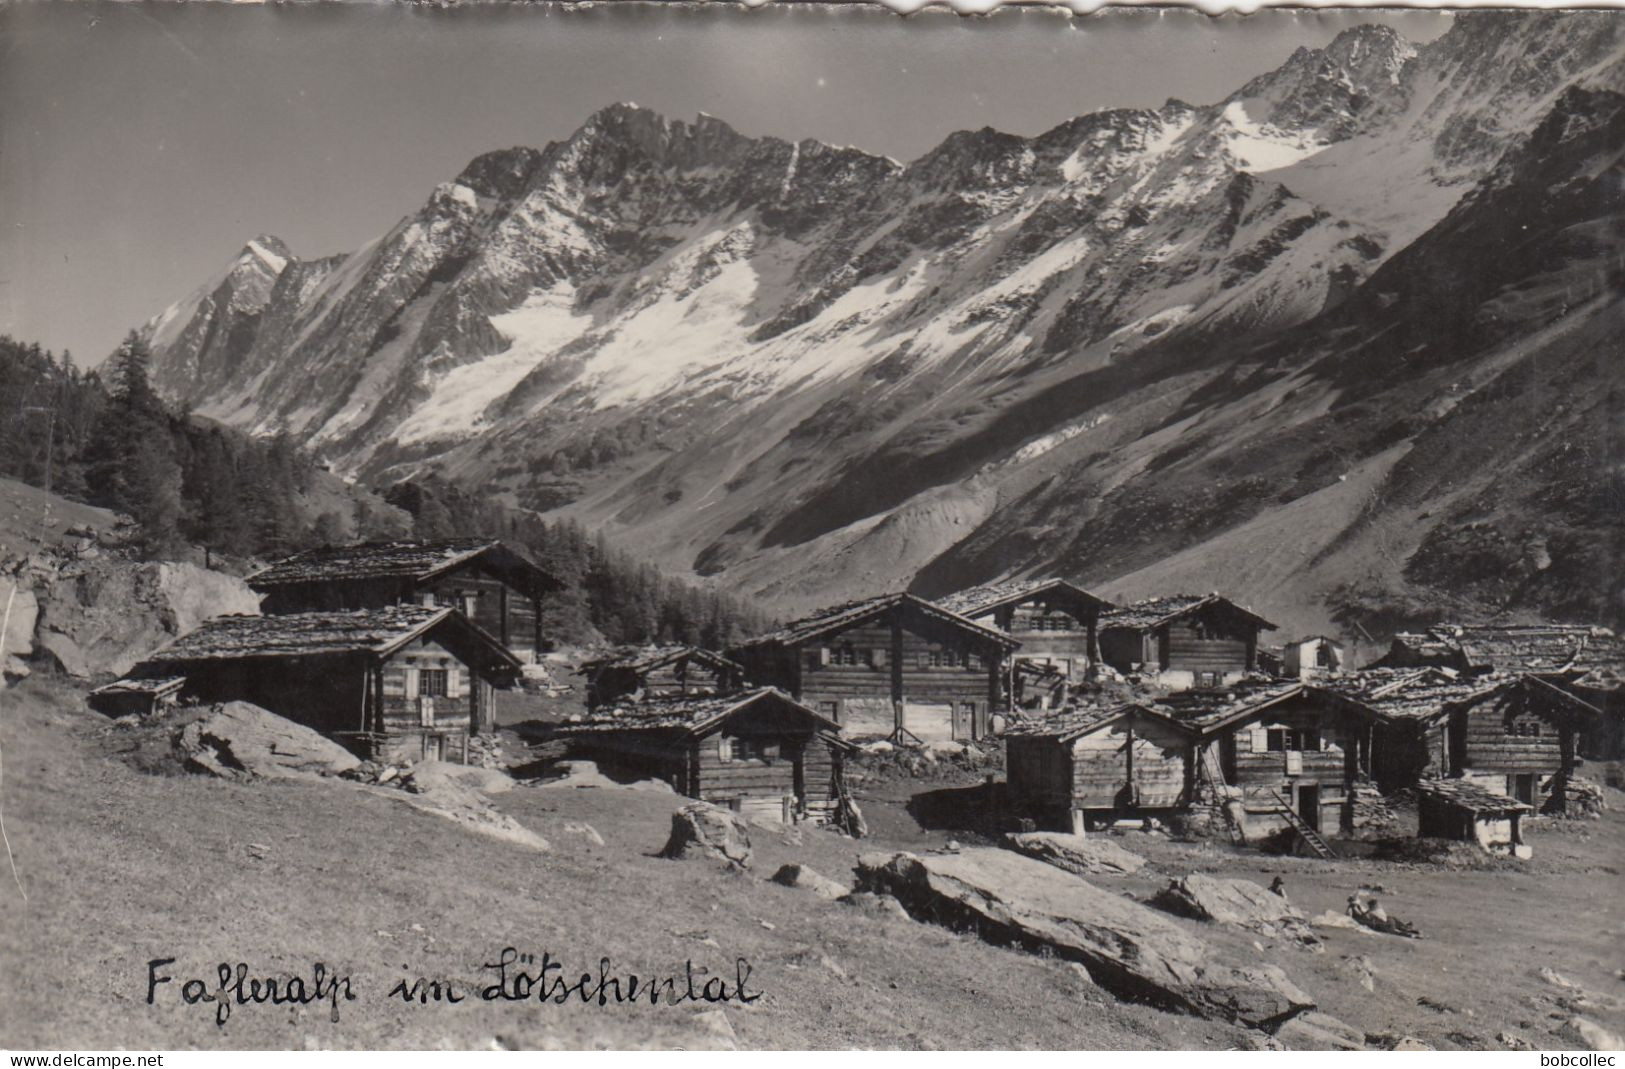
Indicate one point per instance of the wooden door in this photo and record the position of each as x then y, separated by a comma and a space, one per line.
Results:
1309, 806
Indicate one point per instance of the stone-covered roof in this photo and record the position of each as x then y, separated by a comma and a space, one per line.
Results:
411, 561
1154, 612
845, 615
1207, 711
1506, 647
306, 634
641, 659
1414, 694
685, 714
1470, 796
991, 596
154, 687
1076, 721
1522, 649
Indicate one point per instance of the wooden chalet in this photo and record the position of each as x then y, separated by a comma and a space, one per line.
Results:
659, 672
1597, 677
1099, 764
1317, 655
1183, 641
762, 754
1055, 621
1480, 649
1458, 809
1519, 739
1515, 734
404, 682
895, 665
1283, 751
494, 586
1407, 740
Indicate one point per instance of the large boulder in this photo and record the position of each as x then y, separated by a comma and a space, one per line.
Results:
19, 610
704, 830
810, 879
105, 615
428, 776
1239, 902
460, 799
1076, 853
1586, 1034
1318, 1031
241, 740
1128, 948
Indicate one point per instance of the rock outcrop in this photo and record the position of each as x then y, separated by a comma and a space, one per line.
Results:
1076, 853
810, 879
1239, 902
701, 829
104, 614
19, 610
239, 740
1128, 948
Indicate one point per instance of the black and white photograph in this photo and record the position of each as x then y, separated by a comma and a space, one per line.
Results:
795, 526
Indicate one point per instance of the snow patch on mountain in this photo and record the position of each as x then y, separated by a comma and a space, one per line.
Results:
544, 324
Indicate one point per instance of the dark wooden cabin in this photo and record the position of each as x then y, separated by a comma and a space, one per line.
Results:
405, 682
496, 587
895, 665
1458, 809
1183, 641
1284, 746
1520, 739
1055, 621
762, 754
659, 672
1407, 740
1512, 733
1099, 764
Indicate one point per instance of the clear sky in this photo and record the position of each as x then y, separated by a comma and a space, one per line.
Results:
141, 144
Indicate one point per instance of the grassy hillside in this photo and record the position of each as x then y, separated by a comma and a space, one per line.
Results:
121, 866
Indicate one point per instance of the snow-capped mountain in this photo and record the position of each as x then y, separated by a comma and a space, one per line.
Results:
815, 370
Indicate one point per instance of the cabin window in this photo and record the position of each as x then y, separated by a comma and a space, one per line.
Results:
468, 602
1207, 679
434, 682
1285, 739
845, 654
426, 598
1524, 729
734, 748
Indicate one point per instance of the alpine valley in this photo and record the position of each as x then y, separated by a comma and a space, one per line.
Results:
1344, 344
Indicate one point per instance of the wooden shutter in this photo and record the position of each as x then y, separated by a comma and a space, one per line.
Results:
880, 657
1294, 762
411, 682
724, 749
1260, 740
454, 681
823, 655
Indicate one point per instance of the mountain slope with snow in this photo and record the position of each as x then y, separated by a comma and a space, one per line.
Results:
813, 370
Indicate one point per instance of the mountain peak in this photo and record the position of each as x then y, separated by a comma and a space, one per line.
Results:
266, 250
707, 139
1324, 90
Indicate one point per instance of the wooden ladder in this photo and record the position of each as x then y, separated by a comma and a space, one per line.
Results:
1212, 771
1309, 835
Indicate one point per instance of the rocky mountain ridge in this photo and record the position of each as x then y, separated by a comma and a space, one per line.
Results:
811, 371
